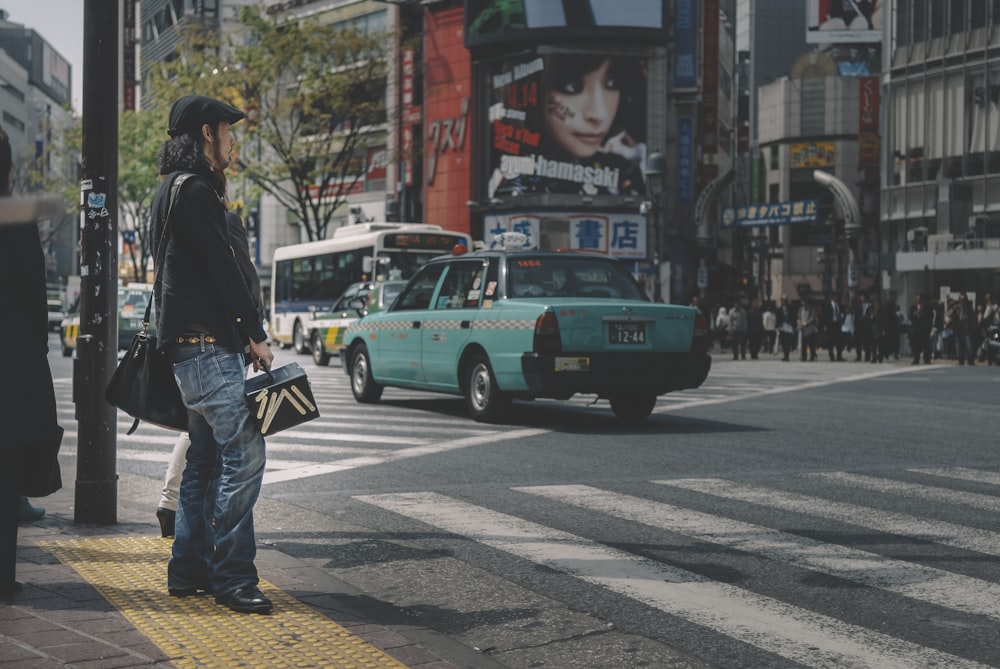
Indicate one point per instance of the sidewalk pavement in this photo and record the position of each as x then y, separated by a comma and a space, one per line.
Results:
95, 597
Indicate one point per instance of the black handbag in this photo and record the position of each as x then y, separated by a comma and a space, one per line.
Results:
281, 398
143, 385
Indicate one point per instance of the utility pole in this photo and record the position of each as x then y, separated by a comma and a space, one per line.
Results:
97, 345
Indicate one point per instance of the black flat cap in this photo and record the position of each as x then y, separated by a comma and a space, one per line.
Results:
193, 111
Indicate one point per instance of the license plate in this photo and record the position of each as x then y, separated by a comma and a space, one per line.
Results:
572, 364
627, 333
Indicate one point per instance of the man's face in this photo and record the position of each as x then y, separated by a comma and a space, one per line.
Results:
219, 145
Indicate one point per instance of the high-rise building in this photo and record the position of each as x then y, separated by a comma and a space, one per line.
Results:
35, 92
941, 154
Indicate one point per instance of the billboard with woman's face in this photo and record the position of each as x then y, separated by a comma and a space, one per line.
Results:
567, 123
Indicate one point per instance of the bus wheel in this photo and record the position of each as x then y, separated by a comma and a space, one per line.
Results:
299, 339
320, 356
366, 390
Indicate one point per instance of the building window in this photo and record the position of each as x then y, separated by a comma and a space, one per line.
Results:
977, 18
13, 122
14, 92
938, 21
957, 25
775, 163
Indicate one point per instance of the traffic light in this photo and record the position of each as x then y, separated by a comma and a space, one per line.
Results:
821, 255
746, 280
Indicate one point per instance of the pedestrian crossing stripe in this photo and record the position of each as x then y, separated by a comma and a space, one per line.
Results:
927, 584
797, 634
948, 534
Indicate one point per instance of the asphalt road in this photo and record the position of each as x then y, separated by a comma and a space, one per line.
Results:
783, 515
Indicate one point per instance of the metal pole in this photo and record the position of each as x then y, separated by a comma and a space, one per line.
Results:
97, 345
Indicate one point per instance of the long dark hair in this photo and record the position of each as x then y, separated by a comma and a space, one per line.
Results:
187, 153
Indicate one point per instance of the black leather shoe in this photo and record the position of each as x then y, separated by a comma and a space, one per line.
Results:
190, 592
166, 518
247, 599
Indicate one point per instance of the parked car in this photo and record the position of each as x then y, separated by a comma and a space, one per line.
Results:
56, 315
327, 328
498, 325
132, 301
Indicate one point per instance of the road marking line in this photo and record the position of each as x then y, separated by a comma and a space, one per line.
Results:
401, 454
802, 636
928, 584
763, 392
962, 474
916, 490
949, 534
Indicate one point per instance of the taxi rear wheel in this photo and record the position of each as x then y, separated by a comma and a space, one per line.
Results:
486, 402
633, 407
320, 356
364, 387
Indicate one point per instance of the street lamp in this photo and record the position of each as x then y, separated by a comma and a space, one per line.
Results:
656, 170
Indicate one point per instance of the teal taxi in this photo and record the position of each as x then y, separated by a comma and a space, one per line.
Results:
327, 328
494, 326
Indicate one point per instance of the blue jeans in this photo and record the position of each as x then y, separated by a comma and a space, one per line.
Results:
963, 347
214, 543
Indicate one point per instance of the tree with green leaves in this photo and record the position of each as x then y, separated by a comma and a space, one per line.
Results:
314, 94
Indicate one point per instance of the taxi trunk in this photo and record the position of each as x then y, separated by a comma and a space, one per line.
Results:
593, 346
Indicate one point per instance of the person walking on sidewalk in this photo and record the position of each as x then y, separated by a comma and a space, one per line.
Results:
786, 327
166, 511
27, 407
808, 328
205, 316
964, 325
738, 330
921, 318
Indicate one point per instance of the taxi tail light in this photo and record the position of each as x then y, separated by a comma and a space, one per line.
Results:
701, 342
547, 339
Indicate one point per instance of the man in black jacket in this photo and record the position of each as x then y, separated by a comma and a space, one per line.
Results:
205, 318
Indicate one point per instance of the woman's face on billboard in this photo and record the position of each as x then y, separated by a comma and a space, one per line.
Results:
580, 109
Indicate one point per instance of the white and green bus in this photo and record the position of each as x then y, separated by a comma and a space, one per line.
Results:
310, 277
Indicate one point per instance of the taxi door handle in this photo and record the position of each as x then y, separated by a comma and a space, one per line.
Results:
466, 325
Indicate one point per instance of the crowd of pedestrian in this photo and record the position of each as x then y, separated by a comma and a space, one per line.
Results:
869, 329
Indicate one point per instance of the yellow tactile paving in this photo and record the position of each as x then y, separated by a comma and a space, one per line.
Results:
130, 572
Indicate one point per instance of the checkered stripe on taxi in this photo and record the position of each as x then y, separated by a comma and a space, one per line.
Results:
380, 325
456, 324
504, 324
477, 325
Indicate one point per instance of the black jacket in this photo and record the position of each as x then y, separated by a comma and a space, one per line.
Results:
200, 288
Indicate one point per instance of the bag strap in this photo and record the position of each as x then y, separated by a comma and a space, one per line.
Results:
161, 249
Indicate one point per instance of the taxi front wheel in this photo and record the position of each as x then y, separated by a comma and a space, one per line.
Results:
364, 387
633, 407
319, 354
486, 402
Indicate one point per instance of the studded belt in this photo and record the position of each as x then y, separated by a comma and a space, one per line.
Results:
196, 339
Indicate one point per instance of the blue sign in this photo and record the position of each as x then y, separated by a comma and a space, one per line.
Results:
772, 213
685, 160
686, 45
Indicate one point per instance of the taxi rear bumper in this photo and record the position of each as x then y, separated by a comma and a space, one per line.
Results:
610, 373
